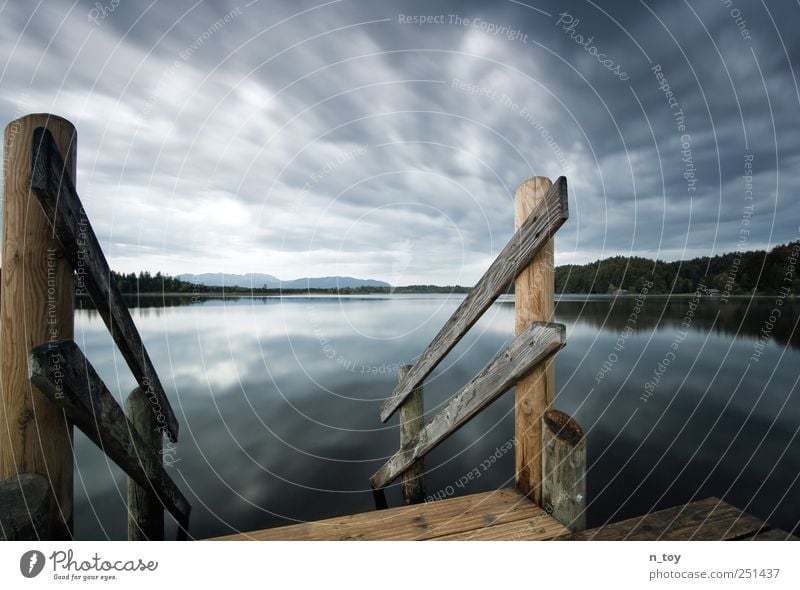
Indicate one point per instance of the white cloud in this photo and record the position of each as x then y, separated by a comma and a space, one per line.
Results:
231, 158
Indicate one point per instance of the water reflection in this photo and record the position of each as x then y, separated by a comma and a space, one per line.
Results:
278, 402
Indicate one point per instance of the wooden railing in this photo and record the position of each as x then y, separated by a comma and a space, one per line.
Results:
61, 372
58, 370
536, 343
517, 360
62, 206
541, 225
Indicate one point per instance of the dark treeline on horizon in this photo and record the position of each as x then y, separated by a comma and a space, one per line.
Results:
145, 282
735, 273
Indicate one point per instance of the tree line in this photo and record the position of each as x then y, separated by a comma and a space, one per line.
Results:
735, 273
145, 282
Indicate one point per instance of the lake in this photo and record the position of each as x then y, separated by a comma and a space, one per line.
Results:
278, 403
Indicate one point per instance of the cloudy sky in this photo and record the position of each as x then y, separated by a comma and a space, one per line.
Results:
307, 138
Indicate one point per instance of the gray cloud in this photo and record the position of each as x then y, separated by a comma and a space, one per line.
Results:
312, 139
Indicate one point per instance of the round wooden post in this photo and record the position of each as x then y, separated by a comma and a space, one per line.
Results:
145, 511
411, 423
36, 307
533, 301
564, 466
24, 507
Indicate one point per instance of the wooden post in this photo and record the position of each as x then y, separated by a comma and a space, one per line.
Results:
533, 301
379, 496
564, 466
36, 307
24, 507
537, 343
145, 512
67, 378
411, 423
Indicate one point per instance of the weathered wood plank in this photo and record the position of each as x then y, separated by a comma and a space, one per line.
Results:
411, 423
533, 302
66, 377
24, 507
705, 520
564, 470
427, 521
145, 512
36, 305
62, 206
772, 535
541, 527
527, 350
540, 226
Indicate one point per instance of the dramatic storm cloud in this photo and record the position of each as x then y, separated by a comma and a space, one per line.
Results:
386, 139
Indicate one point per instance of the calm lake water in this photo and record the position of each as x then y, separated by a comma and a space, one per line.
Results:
278, 403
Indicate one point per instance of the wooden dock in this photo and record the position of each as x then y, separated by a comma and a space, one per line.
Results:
507, 515
45, 376
490, 515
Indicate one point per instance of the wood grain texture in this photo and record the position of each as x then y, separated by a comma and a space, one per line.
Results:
62, 206
145, 512
36, 306
564, 470
705, 520
530, 348
411, 423
533, 301
432, 520
772, 535
541, 527
24, 508
65, 376
550, 213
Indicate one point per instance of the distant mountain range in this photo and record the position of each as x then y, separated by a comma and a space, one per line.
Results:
258, 280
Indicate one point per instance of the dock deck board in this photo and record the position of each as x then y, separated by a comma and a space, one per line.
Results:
709, 519
507, 515
453, 518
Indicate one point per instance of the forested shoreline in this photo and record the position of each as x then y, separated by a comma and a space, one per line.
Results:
736, 273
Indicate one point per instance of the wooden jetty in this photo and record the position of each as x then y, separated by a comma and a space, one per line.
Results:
48, 387
503, 514
508, 515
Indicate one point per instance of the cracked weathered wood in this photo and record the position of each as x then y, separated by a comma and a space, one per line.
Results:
62, 373
145, 512
411, 423
37, 306
527, 350
24, 504
533, 302
451, 518
564, 470
62, 206
710, 519
537, 230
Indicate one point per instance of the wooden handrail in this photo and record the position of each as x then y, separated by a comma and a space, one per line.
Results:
57, 194
63, 374
536, 344
537, 230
